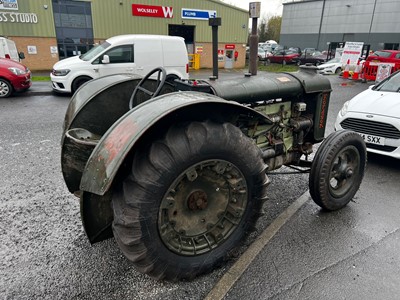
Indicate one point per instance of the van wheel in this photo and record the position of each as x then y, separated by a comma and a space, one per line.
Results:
5, 88
78, 82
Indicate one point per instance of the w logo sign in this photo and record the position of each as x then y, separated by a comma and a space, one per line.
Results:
168, 12
152, 11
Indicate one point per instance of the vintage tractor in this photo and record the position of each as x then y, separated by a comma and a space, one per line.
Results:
177, 173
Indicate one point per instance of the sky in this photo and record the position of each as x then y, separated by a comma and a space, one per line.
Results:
269, 8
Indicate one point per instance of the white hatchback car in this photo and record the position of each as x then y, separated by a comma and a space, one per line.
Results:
333, 66
375, 115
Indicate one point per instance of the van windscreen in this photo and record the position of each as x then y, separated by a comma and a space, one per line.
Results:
92, 53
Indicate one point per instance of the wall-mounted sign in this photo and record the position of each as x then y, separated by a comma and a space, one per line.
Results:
189, 13
152, 11
53, 49
230, 46
12, 17
221, 56
9, 4
199, 49
32, 50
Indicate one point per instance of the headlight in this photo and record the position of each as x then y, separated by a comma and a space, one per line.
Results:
60, 72
17, 71
343, 111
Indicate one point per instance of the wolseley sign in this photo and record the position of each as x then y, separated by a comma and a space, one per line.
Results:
152, 11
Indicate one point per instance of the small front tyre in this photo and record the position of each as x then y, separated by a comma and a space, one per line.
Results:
338, 169
189, 200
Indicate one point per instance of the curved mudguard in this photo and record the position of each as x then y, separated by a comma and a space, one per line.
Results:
117, 142
93, 109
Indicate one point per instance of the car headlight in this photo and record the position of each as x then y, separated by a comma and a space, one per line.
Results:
343, 111
17, 71
62, 72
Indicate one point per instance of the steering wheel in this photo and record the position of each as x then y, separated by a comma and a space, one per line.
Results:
161, 76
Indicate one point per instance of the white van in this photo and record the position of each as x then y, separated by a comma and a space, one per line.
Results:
134, 54
8, 49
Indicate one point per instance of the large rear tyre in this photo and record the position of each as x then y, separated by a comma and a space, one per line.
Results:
189, 200
338, 169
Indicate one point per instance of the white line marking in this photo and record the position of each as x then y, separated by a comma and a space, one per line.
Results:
228, 280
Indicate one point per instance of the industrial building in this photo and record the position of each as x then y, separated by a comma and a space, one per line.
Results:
50, 30
320, 23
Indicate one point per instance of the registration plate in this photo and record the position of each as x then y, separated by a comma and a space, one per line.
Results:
373, 139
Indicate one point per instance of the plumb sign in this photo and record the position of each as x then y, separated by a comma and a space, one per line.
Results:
198, 14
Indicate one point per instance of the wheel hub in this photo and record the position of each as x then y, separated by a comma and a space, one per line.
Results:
342, 172
197, 200
202, 207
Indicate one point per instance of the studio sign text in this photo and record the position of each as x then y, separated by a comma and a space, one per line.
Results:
12, 17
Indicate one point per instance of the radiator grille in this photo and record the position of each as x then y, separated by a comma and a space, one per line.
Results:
382, 148
371, 127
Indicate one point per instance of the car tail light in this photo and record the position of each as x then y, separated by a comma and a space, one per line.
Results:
187, 68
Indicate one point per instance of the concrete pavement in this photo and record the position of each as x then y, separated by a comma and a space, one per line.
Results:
310, 254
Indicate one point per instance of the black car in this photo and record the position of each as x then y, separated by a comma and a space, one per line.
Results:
314, 57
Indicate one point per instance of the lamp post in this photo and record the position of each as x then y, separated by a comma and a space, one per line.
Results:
254, 12
214, 23
320, 23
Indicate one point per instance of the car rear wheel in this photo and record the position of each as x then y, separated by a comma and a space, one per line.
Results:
338, 70
5, 88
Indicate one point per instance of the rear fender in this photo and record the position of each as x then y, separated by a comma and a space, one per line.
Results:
154, 115
93, 109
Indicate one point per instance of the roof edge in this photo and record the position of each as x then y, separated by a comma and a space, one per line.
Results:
229, 5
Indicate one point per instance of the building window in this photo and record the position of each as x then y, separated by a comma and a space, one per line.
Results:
74, 29
391, 46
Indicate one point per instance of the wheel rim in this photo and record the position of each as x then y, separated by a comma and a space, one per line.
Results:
202, 207
4, 88
344, 171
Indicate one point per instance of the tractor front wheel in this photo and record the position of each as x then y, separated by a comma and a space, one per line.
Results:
337, 169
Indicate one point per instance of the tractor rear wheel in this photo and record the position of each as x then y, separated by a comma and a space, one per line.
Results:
338, 169
190, 199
